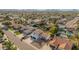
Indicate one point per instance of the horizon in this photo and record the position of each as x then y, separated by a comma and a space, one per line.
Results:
39, 10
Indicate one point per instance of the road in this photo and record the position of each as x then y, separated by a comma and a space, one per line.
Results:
17, 42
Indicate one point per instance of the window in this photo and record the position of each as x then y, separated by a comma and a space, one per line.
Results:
33, 37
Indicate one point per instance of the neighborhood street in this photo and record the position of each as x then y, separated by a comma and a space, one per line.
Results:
17, 42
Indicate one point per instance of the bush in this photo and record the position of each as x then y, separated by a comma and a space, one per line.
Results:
17, 33
8, 45
53, 29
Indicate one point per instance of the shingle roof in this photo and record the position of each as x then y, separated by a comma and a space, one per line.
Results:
42, 33
72, 23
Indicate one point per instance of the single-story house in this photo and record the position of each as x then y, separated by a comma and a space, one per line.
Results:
15, 26
39, 35
60, 43
62, 21
72, 24
61, 26
5, 27
27, 32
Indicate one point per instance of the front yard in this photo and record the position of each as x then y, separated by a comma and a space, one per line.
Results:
16, 32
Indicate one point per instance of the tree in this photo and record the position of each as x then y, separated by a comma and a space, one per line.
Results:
63, 16
7, 18
1, 33
53, 29
75, 42
6, 23
1, 36
8, 45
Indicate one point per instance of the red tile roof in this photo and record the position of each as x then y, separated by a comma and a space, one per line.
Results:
62, 43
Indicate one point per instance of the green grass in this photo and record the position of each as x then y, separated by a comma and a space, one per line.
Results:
17, 33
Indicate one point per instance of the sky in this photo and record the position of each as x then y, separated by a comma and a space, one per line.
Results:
39, 4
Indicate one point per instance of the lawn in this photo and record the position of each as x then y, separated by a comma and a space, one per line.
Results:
17, 33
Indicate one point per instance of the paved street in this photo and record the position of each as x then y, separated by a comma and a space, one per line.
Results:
17, 42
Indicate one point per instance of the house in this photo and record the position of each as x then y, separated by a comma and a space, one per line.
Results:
23, 19
29, 21
56, 17
15, 26
37, 21
15, 16
24, 27
62, 21
39, 35
4, 27
60, 43
2, 17
28, 31
72, 24
63, 35
61, 26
